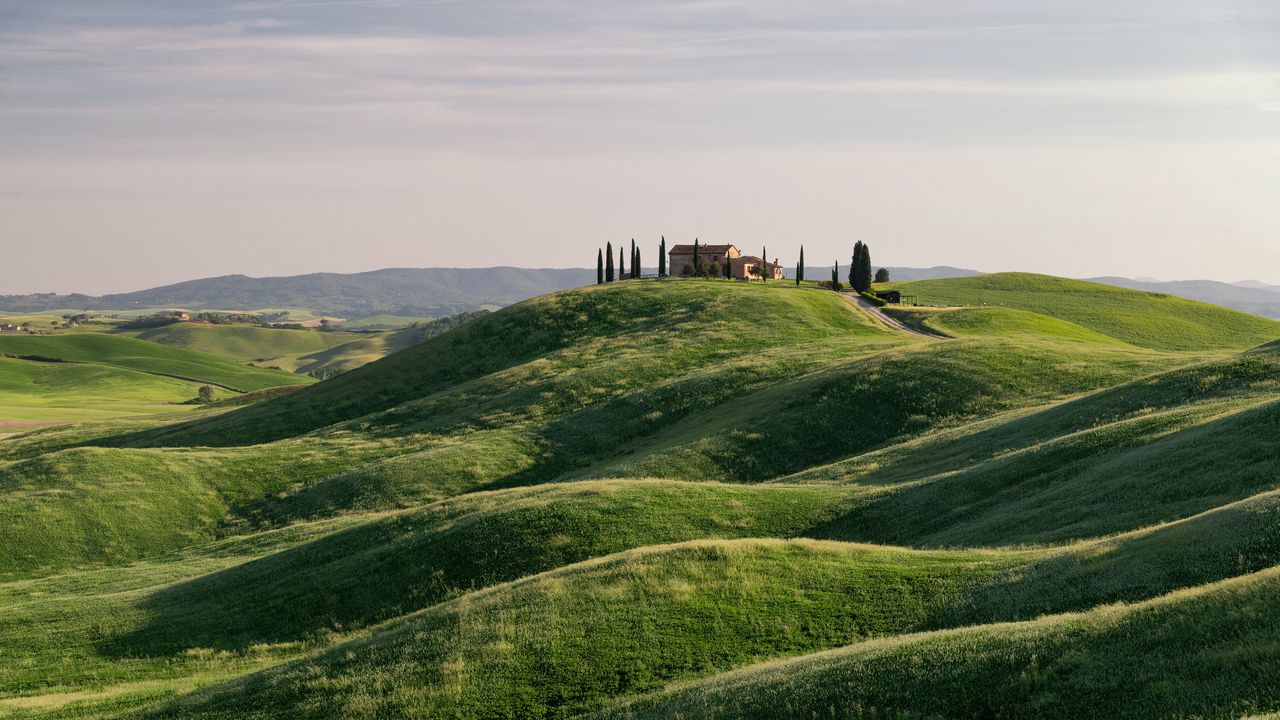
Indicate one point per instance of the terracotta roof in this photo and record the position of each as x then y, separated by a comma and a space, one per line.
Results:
753, 260
688, 249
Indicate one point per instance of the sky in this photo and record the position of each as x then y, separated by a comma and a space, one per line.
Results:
144, 142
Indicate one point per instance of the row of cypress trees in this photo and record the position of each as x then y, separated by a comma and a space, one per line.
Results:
860, 275
605, 268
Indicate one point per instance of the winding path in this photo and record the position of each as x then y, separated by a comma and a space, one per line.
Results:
884, 318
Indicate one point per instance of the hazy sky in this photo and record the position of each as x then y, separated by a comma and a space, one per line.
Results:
149, 141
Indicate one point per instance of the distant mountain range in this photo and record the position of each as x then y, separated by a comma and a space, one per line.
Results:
419, 292
434, 292
1249, 296
416, 292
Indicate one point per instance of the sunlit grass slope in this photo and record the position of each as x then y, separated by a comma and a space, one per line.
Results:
1210, 652
363, 349
153, 358
1144, 319
562, 642
244, 342
36, 391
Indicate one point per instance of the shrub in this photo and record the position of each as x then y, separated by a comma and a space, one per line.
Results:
873, 299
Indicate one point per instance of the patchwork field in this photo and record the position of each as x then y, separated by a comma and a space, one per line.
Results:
664, 499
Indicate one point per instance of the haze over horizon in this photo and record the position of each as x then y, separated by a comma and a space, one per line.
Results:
144, 143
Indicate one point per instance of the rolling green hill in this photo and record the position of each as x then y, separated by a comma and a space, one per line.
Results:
244, 342
1162, 322
47, 391
151, 358
678, 499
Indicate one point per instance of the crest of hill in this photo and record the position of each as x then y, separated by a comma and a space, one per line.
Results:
709, 317
1149, 320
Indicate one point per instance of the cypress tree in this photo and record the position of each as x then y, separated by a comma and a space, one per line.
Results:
599, 266
697, 259
608, 262
622, 265
632, 259
764, 264
797, 274
800, 267
662, 257
864, 270
854, 264
728, 267
835, 276
635, 266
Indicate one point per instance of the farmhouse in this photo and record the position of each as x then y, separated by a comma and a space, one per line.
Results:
749, 266
741, 267
681, 257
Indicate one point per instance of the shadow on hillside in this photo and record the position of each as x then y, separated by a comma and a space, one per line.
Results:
1094, 484
393, 565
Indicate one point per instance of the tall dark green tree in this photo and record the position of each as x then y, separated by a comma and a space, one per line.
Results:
800, 267
697, 259
764, 263
632, 259
728, 268
608, 262
797, 274
636, 267
835, 276
599, 266
662, 257
854, 263
622, 265
863, 283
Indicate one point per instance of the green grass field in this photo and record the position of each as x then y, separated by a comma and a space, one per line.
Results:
1144, 319
245, 343
663, 499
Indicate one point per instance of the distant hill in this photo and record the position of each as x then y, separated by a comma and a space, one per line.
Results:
1248, 296
404, 292
416, 292
1257, 285
1154, 321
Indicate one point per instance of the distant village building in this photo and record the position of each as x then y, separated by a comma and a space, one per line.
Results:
10, 328
681, 256
741, 267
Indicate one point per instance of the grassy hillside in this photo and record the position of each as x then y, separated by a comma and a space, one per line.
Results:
654, 499
151, 358
1205, 653
45, 391
1144, 319
244, 342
